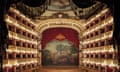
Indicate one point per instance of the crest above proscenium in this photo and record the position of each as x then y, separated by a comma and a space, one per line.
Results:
60, 37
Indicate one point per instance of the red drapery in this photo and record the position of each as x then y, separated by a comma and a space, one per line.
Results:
51, 34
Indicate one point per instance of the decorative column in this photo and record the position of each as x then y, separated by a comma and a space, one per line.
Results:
80, 49
40, 50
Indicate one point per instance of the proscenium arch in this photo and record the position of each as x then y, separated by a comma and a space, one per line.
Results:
76, 25
60, 22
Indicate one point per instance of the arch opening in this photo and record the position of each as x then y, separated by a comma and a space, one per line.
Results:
60, 47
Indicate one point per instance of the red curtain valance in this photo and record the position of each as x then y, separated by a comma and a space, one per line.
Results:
51, 34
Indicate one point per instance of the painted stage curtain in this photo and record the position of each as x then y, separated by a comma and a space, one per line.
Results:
68, 33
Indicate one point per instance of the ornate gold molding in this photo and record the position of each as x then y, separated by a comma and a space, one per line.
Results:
77, 25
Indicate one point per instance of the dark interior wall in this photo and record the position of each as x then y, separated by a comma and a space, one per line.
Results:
117, 20
3, 32
116, 33
3, 27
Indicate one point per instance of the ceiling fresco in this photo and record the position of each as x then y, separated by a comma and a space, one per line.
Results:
59, 5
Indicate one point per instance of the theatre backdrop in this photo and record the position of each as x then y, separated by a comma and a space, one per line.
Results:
60, 47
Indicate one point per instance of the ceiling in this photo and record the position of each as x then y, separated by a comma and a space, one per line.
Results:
59, 5
38, 8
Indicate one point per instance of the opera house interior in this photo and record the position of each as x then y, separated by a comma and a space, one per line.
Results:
59, 36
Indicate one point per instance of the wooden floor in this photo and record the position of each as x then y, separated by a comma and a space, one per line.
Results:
59, 69
67, 69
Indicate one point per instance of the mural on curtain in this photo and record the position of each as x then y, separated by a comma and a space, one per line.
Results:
60, 52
